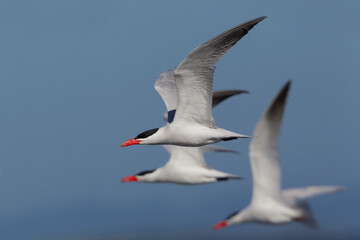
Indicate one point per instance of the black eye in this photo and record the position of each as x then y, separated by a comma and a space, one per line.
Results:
147, 133
145, 172
231, 215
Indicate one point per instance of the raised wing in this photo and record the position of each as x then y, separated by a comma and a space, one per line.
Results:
166, 87
264, 159
193, 156
194, 75
307, 192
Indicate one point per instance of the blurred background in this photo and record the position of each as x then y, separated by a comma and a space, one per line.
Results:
76, 80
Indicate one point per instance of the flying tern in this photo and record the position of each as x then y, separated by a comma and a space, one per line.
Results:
186, 164
270, 204
193, 124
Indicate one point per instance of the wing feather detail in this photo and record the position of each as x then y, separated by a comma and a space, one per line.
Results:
194, 75
264, 159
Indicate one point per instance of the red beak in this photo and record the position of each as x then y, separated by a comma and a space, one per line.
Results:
132, 141
131, 178
219, 225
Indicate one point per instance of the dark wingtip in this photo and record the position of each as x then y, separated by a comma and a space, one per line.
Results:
220, 96
250, 24
277, 105
259, 19
262, 18
229, 93
287, 84
284, 91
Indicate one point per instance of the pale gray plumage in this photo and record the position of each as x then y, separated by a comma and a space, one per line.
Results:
193, 124
194, 75
166, 87
270, 204
264, 159
186, 164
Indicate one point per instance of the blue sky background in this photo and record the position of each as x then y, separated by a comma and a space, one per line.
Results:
76, 80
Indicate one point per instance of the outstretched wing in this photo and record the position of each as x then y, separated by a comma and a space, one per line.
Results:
166, 87
297, 197
190, 156
307, 192
220, 96
264, 159
194, 75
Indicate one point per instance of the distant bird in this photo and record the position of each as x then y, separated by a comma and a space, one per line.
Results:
186, 164
270, 204
193, 124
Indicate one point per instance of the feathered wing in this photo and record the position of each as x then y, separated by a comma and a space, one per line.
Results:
307, 192
192, 157
297, 197
194, 75
181, 156
220, 96
166, 87
264, 159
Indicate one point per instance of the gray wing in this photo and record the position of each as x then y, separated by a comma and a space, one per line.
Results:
307, 192
264, 159
166, 87
297, 197
190, 156
194, 75
220, 96
193, 157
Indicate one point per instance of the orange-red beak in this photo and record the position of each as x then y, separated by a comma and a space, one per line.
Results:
131, 178
132, 141
220, 225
